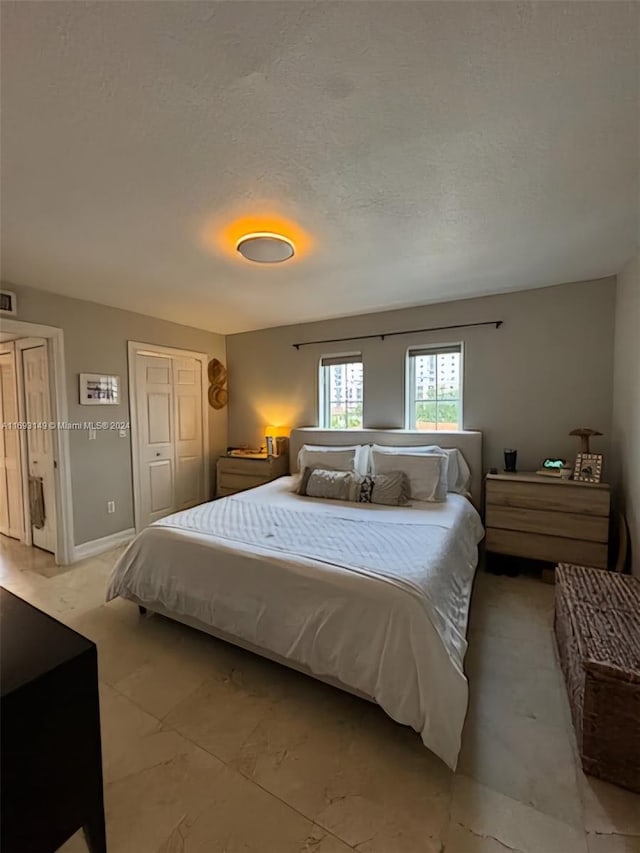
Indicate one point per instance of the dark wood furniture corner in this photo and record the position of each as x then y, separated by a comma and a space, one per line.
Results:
50, 733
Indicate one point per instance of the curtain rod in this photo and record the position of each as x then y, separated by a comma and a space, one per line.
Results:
382, 336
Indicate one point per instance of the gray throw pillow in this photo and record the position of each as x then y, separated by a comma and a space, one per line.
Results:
331, 485
390, 489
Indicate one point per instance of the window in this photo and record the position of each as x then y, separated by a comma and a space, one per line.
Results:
341, 391
434, 388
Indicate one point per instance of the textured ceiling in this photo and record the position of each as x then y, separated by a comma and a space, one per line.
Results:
428, 151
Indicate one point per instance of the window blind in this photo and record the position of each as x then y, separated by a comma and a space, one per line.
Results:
332, 360
434, 350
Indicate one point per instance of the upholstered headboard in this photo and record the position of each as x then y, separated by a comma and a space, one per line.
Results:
469, 442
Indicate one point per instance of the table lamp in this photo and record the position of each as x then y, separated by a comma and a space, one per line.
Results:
277, 440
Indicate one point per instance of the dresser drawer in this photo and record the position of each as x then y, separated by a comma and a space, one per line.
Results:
553, 549
560, 497
221, 492
238, 482
569, 525
255, 467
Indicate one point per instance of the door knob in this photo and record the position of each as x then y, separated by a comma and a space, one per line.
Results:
157, 454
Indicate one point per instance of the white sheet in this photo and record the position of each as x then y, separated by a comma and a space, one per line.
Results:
390, 626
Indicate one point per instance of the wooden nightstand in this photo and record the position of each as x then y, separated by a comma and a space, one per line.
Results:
235, 473
528, 515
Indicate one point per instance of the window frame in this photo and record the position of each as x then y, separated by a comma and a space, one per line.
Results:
410, 384
324, 396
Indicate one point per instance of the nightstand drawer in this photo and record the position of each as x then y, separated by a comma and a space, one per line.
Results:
553, 549
256, 467
560, 497
569, 525
237, 474
238, 482
224, 493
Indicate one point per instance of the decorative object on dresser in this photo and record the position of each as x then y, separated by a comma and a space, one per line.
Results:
597, 625
218, 393
555, 468
584, 434
548, 519
237, 473
510, 460
51, 753
588, 467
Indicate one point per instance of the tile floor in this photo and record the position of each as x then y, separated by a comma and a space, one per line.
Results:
209, 749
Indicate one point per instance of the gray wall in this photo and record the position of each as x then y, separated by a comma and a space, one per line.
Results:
626, 401
95, 341
547, 370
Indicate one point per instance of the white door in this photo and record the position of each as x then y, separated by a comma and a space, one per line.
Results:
189, 449
40, 450
170, 440
11, 513
154, 405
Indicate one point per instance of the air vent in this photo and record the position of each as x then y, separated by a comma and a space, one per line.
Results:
8, 303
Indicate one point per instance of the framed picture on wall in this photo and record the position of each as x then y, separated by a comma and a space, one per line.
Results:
97, 389
588, 467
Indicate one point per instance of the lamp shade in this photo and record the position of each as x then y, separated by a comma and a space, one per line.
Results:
277, 431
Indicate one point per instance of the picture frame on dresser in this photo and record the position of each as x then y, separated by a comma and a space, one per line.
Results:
588, 468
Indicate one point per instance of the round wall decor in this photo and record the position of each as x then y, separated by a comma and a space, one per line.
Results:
218, 393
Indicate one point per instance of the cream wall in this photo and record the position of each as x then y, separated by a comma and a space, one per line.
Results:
95, 341
526, 385
626, 401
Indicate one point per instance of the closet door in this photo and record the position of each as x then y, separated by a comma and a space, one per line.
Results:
155, 415
11, 515
189, 441
40, 454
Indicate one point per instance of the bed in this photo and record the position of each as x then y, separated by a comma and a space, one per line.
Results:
372, 599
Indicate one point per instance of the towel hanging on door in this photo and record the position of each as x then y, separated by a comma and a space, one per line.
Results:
36, 502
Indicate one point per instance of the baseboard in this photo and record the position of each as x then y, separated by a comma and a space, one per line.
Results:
99, 546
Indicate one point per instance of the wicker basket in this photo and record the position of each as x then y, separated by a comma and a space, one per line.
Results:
597, 623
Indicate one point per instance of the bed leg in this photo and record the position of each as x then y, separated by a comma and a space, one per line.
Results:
142, 610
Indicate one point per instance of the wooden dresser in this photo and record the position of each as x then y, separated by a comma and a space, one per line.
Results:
560, 521
235, 473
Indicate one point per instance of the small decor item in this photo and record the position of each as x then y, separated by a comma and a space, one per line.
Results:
510, 459
277, 440
555, 468
96, 389
554, 463
584, 434
588, 467
218, 393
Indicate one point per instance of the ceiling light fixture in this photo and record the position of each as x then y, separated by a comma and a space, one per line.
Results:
265, 247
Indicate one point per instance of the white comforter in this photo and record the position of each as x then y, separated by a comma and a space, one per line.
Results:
376, 597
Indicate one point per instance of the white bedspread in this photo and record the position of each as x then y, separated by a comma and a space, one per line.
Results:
376, 597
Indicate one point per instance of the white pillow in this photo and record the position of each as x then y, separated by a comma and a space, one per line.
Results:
458, 472
426, 472
449, 473
464, 475
353, 458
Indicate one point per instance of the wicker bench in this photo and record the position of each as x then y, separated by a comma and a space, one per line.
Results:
597, 624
